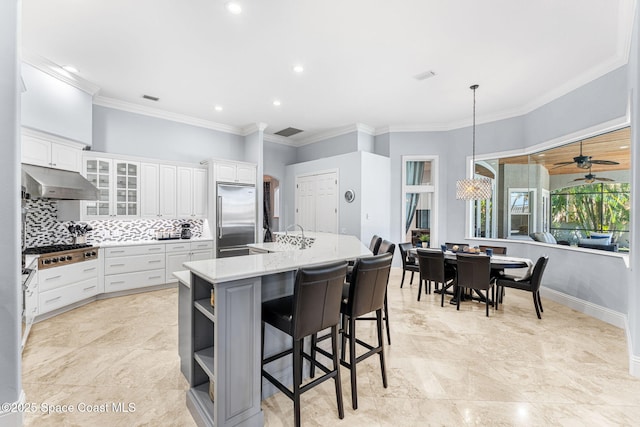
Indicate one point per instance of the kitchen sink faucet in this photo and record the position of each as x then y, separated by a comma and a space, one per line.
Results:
303, 242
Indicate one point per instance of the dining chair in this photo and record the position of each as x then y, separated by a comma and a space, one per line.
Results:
474, 272
433, 268
408, 262
497, 250
529, 284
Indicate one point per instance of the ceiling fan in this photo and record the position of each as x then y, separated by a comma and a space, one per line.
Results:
589, 178
585, 162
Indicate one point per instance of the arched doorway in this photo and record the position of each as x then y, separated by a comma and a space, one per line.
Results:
271, 207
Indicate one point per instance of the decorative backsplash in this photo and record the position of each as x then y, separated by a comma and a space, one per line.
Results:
43, 227
292, 239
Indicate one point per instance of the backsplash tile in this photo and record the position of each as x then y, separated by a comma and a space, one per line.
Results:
44, 229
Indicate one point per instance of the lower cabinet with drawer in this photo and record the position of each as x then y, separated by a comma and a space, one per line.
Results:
131, 267
64, 285
179, 253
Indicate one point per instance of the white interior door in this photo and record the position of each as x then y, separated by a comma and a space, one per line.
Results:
306, 202
327, 203
317, 202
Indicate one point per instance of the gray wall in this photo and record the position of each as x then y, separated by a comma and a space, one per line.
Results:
276, 158
122, 132
335, 146
253, 152
53, 106
634, 279
10, 293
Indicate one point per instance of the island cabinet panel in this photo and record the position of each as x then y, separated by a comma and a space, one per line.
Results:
225, 353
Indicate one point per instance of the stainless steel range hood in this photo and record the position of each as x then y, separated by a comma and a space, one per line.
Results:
41, 182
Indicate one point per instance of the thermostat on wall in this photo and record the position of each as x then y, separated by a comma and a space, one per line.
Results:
349, 196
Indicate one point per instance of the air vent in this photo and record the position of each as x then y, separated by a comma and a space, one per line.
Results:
424, 76
151, 98
288, 132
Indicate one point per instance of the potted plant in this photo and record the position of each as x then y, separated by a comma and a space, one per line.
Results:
424, 238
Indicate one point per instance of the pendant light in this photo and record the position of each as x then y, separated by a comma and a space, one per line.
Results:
473, 188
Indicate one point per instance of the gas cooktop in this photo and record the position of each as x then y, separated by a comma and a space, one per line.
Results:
38, 250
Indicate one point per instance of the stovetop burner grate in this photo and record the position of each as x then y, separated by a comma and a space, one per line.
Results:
54, 248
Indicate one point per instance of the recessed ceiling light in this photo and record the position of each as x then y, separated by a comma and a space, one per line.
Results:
622, 147
70, 68
541, 155
233, 7
218, 108
276, 102
298, 68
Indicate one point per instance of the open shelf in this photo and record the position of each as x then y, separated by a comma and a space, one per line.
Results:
198, 398
204, 306
205, 358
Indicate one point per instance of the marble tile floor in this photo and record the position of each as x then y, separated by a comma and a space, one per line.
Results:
445, 368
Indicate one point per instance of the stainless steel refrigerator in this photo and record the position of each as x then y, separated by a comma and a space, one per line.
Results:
236, 219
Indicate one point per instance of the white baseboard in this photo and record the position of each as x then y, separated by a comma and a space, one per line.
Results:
606, 315
14, 418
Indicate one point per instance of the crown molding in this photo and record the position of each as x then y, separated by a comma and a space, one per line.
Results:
277, 139
36, 133
117, 104
56, 71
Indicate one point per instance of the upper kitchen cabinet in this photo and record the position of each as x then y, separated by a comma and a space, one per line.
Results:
56, 107
192, 192
243, 173
158, 190
44, 150
118, 184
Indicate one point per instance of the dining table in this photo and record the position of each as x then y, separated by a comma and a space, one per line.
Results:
501, 265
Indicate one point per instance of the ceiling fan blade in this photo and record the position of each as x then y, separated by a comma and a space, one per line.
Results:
604, 162
561, 164
580, 179
605, 179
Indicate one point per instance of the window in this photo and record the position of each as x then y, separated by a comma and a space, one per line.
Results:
569, 190
419, 207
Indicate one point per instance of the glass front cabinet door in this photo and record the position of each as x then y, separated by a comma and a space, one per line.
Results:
117, 184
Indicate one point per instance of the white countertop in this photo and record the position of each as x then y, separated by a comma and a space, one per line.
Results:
274, 247
327, 247
184, 277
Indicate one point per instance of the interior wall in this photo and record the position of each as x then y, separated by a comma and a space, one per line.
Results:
341, 144
10, 285
348, 166
55, 107
253, 152
121, 132
276, 158
374, 213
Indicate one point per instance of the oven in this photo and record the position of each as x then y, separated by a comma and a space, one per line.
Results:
57, 266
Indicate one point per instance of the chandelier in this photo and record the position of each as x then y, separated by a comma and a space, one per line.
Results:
473, 188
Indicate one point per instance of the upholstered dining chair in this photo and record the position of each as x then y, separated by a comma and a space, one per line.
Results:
408, 262
529, 284
474, 272
498, 250
433, 268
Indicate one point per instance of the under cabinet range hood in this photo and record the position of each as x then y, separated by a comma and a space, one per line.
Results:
48, 183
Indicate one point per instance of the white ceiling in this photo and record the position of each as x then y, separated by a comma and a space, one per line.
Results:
360, 57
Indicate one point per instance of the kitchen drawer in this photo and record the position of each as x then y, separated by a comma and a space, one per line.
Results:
198, 246
178, 247
200, 255
134, 250
60, 297
52, 278
140, 279
130, 264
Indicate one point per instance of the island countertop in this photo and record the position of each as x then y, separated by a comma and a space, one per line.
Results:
327, 247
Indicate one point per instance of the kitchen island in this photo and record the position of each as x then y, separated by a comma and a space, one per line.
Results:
226, 337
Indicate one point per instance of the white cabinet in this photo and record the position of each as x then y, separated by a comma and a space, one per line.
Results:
131, 267
158, 190
42, 152
179, 253
191, 192
117, 184
244, 173
64, 285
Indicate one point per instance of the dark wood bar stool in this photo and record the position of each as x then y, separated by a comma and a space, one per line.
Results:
366, 293
313, 307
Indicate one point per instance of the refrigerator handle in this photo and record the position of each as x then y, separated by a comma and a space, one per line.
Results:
218, 217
